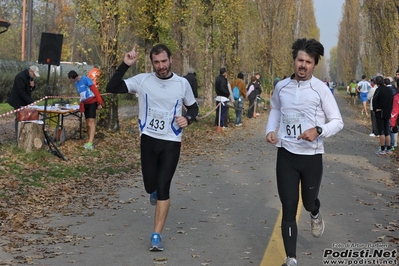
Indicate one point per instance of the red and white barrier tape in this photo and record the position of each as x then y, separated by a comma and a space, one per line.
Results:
22, 108
34, 103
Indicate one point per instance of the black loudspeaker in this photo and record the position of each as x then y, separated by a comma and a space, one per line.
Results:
50, 49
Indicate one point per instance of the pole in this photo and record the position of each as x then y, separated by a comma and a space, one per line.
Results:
29, 29
50, 143
218, 127
23, 30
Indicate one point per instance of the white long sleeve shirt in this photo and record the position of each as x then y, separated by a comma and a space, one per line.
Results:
160, 100
298, 106
370, 95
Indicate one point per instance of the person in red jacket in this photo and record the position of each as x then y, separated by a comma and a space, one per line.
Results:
393, 121
90, 101
94, 74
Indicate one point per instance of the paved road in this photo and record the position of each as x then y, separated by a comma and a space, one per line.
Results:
225, 206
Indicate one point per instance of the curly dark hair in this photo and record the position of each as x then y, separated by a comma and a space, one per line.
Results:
312, 47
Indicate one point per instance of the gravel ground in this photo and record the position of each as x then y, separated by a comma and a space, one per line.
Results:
6, 129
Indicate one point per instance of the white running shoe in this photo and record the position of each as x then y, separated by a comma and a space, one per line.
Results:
381, 153
290, 262
317, 225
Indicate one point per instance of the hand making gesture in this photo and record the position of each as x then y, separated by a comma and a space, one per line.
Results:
131, 57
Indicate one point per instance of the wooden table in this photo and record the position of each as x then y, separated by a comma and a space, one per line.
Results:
57, 115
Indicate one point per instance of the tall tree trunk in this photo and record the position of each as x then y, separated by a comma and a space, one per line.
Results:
208, 66
109, 31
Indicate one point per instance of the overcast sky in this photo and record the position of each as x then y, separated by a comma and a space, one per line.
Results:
328, 16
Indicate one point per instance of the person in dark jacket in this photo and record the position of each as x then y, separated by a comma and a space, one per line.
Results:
21, 92
382, 106
253, 91
222, 97
192, 79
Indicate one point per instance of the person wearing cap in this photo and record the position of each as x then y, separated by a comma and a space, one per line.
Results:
21, 92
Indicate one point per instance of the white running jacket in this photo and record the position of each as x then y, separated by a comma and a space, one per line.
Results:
298, 106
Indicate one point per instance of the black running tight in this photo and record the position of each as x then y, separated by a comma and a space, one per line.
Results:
292, 170
159, 160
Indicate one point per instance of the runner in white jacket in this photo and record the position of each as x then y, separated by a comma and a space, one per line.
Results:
300, 106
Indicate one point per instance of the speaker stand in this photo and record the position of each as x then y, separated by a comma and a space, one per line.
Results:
50, 143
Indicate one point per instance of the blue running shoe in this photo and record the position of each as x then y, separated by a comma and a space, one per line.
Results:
156, 242
153, 198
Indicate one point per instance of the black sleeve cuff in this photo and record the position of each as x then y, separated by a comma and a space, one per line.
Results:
116, 84
192, 112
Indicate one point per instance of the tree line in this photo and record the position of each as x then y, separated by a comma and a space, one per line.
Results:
368, 40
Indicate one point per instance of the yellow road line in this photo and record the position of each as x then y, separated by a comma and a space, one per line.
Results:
275, 253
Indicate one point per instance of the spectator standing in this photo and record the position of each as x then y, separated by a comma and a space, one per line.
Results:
395, 112
21, 92
162, 95
239, 103
276, 80
258, 90
370, 95
192, 79
301, 106
229, 104
90, 102
388, 82
396, 79
251, 96
222, 98
382, 106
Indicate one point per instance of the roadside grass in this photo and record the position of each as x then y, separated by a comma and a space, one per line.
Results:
36, 168
5, 107
117, 155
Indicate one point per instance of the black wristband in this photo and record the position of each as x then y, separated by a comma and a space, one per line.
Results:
189, 119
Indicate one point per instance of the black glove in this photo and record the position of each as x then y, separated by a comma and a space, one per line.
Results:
394, 129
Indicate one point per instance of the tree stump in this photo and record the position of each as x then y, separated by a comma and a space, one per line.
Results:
30, 136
